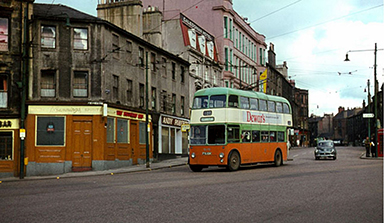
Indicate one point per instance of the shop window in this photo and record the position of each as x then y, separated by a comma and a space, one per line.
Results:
6, 146
48, 37
3, 91
80, 84
165, 140
4, 34
80, 39
47, 83
111, 130
142, 132
122, 131
50, 131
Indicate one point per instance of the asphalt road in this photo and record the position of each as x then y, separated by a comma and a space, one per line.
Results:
349, 189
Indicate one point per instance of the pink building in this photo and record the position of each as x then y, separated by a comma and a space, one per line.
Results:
241, 50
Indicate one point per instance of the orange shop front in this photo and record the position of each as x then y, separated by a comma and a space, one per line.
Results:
63, 139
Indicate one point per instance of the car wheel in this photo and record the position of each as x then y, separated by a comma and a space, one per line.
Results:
233, 161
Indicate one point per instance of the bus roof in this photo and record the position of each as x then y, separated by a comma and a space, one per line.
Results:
232, 91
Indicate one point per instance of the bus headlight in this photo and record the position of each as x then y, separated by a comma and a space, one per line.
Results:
221, 155
193, 155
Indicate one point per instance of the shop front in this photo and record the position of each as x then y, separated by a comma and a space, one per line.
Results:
172, 141
9, 145
63, 139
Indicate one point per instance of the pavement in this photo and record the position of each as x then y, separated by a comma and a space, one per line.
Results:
157, 165
179, 161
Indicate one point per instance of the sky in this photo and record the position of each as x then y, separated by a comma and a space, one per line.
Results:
313, 37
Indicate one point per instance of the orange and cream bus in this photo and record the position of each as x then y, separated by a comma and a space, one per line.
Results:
233, 128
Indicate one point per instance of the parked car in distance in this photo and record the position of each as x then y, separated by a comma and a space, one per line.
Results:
325, 149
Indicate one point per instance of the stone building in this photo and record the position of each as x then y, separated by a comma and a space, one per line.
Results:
87, 94
14, 15
241, 50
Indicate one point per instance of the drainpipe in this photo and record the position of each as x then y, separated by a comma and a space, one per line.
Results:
23, 91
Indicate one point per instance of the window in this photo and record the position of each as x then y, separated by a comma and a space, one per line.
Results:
230, 28
110, 130
141, 57
271, 106
115, 46
122, 131
80, 84
280, 137
164, 100
272, 136
142, 132
254, 105
255, 136
164, 66
286, 109
216, 134
246, 136
48, 37
217, 101
198, 135
233, 133
6, 141
262, 105
129, 90
141, 95
182, 74
80, 39
200, 102
173, 104
226, 58
202, 44
182, 101
4, 34
129, 46
233, 101
3, 91
279, 107
192, 37
244, 102
50, 131
115, 87
173, 71
264, 136
225, 27
153, 62
48, 83
153, 101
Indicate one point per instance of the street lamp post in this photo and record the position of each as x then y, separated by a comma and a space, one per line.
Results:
376, 90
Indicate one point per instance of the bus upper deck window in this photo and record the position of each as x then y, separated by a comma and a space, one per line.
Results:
217, 101
286, 108
244, 102
233, 101
262, 105
200, 102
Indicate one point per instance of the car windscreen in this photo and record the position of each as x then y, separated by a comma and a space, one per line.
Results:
325, 144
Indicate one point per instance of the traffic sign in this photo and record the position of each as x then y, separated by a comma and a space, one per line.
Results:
368, 115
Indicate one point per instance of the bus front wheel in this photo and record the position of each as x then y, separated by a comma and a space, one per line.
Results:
278, 161
233, 161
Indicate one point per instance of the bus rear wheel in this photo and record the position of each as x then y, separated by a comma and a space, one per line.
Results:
196, 168
278, 161
234, 161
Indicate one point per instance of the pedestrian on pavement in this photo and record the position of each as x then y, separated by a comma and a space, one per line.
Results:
367, 147
373, 148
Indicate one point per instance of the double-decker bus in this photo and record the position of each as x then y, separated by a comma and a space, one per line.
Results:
233, 128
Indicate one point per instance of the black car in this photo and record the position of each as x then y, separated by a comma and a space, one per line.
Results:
325, 149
